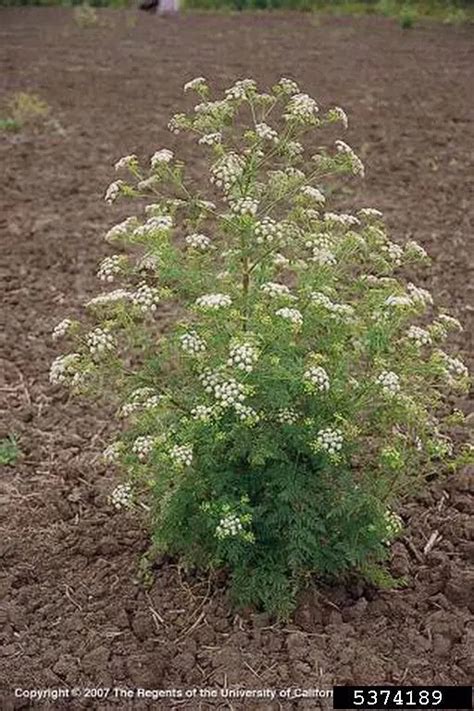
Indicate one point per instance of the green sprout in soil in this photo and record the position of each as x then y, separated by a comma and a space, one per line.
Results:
9, 451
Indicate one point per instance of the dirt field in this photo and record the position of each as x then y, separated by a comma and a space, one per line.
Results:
72, 613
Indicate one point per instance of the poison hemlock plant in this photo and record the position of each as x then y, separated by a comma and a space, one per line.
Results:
273, 426
9, 451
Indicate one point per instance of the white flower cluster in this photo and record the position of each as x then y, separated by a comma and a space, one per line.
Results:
182, 454
100, 341
211, 139
266, 132
394, 253
61, 329
244, 206
415, 250
370, 212
389, 382
162, 156
268, 231
198, 241
340, 312
398, 301
246, 414
356, 164
64, 368
195, 84
454, 366
341, 218
288, 85
323, 255
340, 115
229, 392
145, 297
243, 356
142, 447
420, 336
192, 343
292, 149
177, 123
313, 193
275, 290
241, 89
394, 524
449, 322
157, 223
113, 191
141, 399
229, 525
111, 297
286, 416
121, 230
110, 267
293, 315
317, 378
227, 171
122, 496
419, 295
329, 439
204, 413
213, 301
279, 260
126, 162
301, 108
111, 453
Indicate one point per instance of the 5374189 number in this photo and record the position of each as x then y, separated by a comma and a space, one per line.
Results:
403, 697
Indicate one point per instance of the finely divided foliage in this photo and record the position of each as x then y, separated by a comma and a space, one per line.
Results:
301, 391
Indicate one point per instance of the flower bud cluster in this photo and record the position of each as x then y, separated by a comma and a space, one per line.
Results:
213, 301
293, 315
244, 206
110, 267
419, 336
243, 356
356, 165
100, 341
111, 454
182, 454
229, 525
64, 368
268, 231
145, 298
330, 440
204, 413
211, 139
301, 108
192, 343
317, 378
143, 447
122, 497
275, 290
246, 414
162, 156
122, 230
286, 416
62, 328
313, 193
126, 162
389, 382
265, 132
227, 171
198, 241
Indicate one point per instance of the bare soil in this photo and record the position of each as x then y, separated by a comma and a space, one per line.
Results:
72, 610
